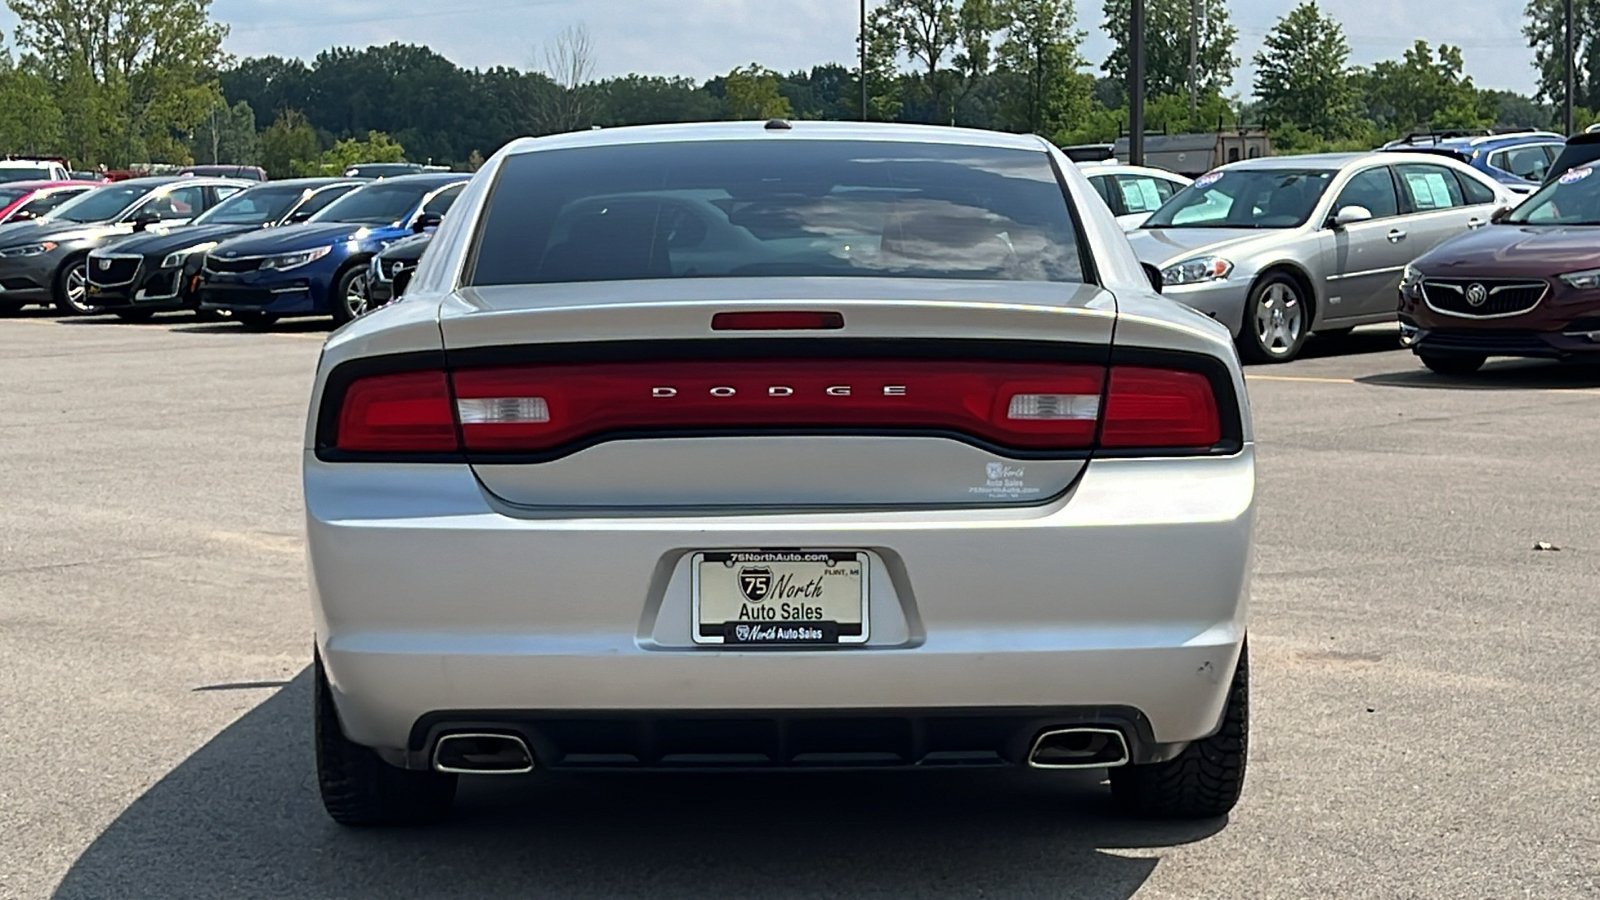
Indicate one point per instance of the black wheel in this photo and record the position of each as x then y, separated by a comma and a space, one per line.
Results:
255, 321
359, 788
1334, 333
350, 295
135, 315
1276, 317
1204, 780
72, 288
1453, 365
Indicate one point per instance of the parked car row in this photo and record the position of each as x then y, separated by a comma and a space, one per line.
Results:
1277, 249
260, 251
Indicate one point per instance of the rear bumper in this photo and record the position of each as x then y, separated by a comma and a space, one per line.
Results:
434, 606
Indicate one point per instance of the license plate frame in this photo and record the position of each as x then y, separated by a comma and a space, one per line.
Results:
769, 628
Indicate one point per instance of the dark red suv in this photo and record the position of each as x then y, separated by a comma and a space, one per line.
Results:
1528, 284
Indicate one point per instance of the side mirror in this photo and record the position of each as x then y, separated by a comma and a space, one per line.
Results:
1154, 274
299, 215
1350, 215
1500, 215
426, 221
145, 220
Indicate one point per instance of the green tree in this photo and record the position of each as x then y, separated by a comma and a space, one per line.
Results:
1040, 59
139, 72
752, 93
566, 102
376, 148
1424, 89
227, 135
1543, 29
30, 121
1168, 24
287, 141
1303, 74
947, 44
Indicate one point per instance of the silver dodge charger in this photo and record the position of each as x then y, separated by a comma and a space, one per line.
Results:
779, 446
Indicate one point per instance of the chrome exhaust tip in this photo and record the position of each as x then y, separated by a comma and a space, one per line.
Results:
1079, 748
482, 754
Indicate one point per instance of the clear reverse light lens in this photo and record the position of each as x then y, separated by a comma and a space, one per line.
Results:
503, 410
1584, 281
1035, 407
1195, 271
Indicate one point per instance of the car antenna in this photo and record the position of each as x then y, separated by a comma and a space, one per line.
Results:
778, 125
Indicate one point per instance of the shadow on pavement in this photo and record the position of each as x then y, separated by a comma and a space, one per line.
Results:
1356, 343
241, 818
1497, 375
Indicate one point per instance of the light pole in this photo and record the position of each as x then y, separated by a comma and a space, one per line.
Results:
1136, 83
1567, 55
861, 39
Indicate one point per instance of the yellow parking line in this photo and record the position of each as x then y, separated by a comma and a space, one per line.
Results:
1310, 378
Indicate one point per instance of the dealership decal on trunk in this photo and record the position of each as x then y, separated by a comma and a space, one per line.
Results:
1003, 481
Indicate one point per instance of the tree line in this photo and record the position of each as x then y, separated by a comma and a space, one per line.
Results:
116, 82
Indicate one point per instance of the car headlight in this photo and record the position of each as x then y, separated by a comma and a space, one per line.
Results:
1410, 277
175, 259
294, 260
38, 249
1194, 271
1587, 280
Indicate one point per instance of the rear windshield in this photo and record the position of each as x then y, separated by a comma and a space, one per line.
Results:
779, 208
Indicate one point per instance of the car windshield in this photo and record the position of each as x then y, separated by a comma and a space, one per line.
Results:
383, 203
24, 173
256, 206
1245, 198
98, 205
796, 209
1572, 199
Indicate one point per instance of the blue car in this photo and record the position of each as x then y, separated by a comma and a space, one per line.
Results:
1518, 160
320, 268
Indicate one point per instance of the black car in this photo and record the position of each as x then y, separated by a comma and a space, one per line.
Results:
145, 274
392, 269
45, 260
383, 170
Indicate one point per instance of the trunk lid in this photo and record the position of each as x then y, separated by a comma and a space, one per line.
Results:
899, 339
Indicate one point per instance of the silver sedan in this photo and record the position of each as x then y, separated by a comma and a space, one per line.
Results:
782, 447
1278, 248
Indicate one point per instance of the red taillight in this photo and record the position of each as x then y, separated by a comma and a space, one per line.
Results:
1160, 408
407, 412
776, 320
537, 408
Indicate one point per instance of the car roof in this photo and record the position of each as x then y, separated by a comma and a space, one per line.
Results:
1111, 167
321, 181
434, 179
757, 131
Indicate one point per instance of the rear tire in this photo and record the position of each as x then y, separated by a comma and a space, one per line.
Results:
1277, 317
359, 788
1204, 780
1453, 365
255, 321
135, 315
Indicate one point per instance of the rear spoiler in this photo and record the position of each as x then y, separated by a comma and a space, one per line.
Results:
1090, 153
1580, 150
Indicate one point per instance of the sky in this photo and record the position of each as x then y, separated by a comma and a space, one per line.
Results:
702, 38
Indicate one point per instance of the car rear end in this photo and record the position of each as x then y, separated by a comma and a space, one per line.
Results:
732, 480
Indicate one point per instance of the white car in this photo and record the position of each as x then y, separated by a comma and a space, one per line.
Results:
1132, 192
780, 447
18, 169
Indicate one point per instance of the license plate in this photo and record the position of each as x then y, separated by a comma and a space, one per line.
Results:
780, 597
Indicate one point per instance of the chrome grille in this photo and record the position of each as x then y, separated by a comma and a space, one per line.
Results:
247, 264
1482, 298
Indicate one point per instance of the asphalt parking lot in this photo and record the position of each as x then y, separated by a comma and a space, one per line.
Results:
1426, 704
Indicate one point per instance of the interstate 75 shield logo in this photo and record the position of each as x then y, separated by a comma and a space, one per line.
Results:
755, 582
